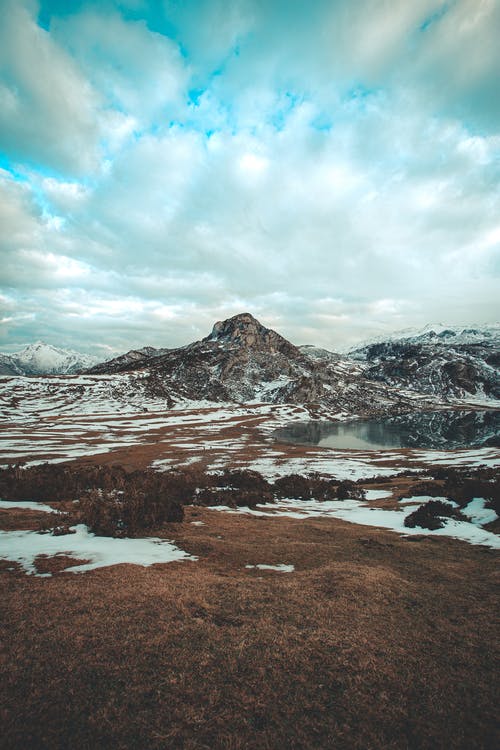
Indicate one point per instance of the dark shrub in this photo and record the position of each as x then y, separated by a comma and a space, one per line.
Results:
251, 498
430, 515
494, 503
293, 486
129, 513
58, 482
112, 501
322, 489
243, 479
234, 488
433, 489
231, 497
348, 490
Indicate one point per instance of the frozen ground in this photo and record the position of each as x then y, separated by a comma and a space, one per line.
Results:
49, 419
282, 568
60, 419
24, 547
26, 505
359, 512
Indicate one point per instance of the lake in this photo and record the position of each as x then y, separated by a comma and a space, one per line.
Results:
444, 430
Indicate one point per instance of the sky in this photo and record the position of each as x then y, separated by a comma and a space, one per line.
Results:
330, 166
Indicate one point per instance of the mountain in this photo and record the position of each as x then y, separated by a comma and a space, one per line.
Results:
44, 359
437, 332
243, 361
450, 363
133, 359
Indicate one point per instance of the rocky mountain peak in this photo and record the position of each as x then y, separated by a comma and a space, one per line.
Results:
244, 331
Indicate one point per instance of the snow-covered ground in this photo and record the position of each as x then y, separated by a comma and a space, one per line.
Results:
54, 420
477, 513
26, 505
51, 419
24, 547
359, 512
281, 568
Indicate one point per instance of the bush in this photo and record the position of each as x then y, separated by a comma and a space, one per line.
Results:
293, 486
244, 479
322, 489
127, 514
430, 515
49, 482
433, 489
235, 488
112, 501
348, 490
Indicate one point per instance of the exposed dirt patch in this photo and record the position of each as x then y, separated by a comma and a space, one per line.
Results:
55, 563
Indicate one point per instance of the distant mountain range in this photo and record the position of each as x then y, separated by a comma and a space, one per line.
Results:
446, 363
438, 333
243, 361
45, 359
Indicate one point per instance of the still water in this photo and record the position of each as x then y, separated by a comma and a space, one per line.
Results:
445, 430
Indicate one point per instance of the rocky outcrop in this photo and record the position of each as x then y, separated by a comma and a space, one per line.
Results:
449, 365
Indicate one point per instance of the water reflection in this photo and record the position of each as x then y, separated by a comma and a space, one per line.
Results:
440, 429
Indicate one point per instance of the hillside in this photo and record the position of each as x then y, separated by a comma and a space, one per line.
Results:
448, 363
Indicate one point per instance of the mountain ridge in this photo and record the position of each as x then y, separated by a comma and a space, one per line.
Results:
243, 361
41, 358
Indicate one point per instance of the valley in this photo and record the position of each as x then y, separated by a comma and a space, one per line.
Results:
312, 615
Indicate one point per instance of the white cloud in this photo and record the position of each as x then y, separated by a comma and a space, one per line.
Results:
315, 173
138, 72
49, 112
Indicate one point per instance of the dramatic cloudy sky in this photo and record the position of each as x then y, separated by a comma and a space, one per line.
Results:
331, 166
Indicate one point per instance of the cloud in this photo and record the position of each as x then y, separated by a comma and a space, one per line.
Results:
47, 107
135, 70
331, 169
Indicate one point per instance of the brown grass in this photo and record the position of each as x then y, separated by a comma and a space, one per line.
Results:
373, 642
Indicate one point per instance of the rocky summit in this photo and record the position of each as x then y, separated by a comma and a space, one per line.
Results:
245, 332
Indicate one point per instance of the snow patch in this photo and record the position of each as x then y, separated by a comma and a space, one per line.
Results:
100, 551
26, 505
477, 513
355, 511
377, 494
282, 568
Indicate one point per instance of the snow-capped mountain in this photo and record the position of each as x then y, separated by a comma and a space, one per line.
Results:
242, 361
448, 362
437, 332
44, 359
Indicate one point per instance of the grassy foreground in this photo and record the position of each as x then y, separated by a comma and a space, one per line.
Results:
373, 642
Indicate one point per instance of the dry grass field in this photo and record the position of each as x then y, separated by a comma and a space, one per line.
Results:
374, 641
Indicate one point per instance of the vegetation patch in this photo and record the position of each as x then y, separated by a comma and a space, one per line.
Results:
430, 515
112, 501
